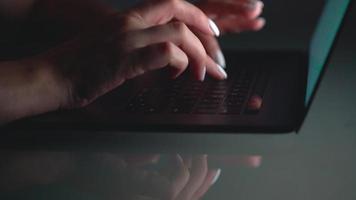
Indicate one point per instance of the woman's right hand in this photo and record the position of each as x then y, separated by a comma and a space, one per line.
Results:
151, 36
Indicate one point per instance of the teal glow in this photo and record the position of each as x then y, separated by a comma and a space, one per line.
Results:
322, 41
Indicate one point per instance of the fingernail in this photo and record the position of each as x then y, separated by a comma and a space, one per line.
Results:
202, 75
255, 103
262, 23
179, 158
262, 20
216, 177
214, 28
255, 161
222, 71
220, 59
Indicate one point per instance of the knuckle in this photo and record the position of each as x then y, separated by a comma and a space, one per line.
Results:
202, 57
126, 20
174, 4
135, 70
200, 16
180, 28
202, 50
127, 42
166, 49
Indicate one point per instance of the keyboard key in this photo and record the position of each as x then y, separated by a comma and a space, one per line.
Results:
188, 96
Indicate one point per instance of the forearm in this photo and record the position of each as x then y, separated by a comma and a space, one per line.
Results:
27, 88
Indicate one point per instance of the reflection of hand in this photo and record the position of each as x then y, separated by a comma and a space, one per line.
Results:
112, 176
118, 177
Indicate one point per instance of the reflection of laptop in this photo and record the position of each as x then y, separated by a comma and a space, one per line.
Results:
286, 80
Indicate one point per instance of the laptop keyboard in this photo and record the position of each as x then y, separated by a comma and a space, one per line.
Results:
187, 96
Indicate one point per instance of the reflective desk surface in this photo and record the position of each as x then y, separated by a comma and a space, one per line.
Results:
317, 163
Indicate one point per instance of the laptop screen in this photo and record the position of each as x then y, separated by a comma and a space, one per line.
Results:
322, 41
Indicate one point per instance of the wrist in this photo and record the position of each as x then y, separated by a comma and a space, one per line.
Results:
28, 87
49, 84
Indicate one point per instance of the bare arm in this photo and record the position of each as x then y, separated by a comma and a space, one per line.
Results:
26, 88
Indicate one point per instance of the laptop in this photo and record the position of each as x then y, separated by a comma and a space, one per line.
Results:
285, 80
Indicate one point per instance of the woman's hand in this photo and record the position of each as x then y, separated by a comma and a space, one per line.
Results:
148, 37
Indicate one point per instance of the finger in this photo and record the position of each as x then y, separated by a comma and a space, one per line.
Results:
187, 159
160, 12
179, 34
210, 179
215, 67
235, 161
212, 48
177, 176
197, 176
237, 25
255, 103
215, 70
249, 10
155, 57
181, 177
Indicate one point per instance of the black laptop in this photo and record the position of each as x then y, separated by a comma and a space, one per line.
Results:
285, 80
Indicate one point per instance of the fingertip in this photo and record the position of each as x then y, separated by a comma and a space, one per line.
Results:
202, 74
254, 9
222, 72
261, 23
255, 161
216, 177
220, 59
257, 24
255, 103
175, 74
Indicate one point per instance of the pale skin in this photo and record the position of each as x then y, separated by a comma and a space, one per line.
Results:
107, 48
